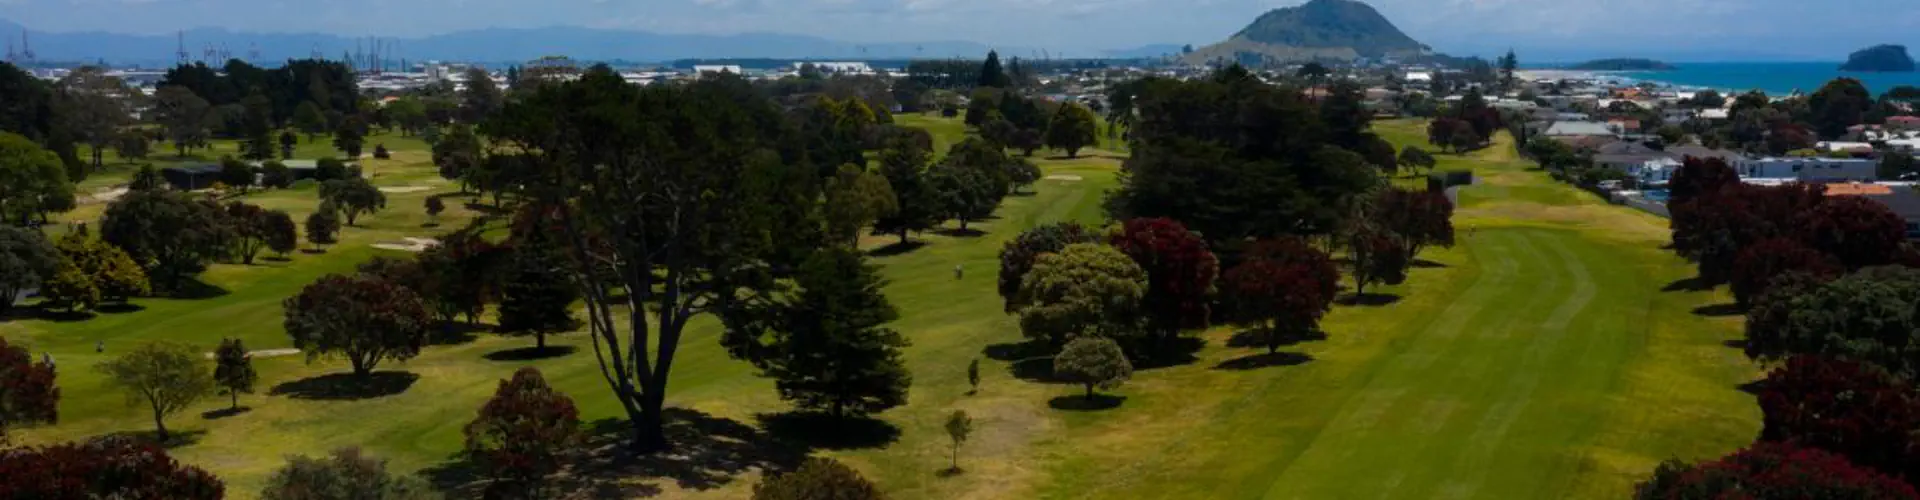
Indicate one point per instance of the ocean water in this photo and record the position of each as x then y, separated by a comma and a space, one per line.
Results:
1773, 78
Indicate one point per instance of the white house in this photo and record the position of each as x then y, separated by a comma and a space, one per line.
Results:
1809, 169
1654, 172
1419, 76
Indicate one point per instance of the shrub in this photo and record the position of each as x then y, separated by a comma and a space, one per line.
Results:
1771, 470
818, 479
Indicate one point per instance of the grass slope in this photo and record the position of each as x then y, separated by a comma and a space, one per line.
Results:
1542, 360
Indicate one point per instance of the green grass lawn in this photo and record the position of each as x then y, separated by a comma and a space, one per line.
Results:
1539, 358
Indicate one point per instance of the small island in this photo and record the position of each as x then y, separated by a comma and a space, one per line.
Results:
1880, 58
1623, 64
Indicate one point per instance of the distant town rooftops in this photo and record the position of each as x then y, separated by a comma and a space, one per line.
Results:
1578, 128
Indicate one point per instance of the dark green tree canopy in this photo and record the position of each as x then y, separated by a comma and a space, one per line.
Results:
826, 345
1233, 159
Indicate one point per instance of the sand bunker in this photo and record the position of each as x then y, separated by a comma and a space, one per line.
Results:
1068, 178
415, 245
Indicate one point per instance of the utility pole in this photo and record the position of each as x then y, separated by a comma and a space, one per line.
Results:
180, 47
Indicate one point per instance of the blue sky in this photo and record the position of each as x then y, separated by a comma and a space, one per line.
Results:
1546, 29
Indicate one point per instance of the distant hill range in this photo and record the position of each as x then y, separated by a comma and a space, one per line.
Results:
495, 45
1623, 64
1318, 29
1880, 58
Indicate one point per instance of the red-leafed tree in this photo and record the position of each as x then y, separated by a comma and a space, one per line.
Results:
1714, 227
1281, 289
365, 318
27, 393
1759, 263
115, 467
1699, 176
1854, 409
1377, 257
1420, 218
1180, 273
1016, 258
1857, 231
1772, 470
523, 434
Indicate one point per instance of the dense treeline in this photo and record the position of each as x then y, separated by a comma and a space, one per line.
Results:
1829, 287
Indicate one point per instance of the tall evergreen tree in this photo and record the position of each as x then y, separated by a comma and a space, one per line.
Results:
825, 345
537, 297
233, 370
991, 74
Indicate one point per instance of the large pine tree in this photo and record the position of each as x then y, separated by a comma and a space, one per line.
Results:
537, 298
824, 344
991, 74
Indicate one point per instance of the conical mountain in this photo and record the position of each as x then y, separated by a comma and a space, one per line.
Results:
1318, 29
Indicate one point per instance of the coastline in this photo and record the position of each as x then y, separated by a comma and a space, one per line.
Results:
1773, 78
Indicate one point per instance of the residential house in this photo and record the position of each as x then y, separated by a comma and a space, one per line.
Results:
1903, 122
1655, 172
1809, 169
1703, 152
1624, 125
1713, 114
1901, 200
1626, 156
1566, 128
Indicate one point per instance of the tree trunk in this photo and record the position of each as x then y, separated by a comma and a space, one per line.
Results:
1089, 392
159, 423
236, 398
540, 340
648, 429
903, 236
956, 455
963, 224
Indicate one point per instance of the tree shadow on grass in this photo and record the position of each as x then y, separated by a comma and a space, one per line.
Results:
1264, 360
1030, 360
175, 438
1740, 344
1694, 284
1369, 299
1719, 310
896, 249
456, 332
1254, 338
947, 472
314, 251
487, 210
276, 258
1080, 402
708, 452
119, 308
1427, 264
961, 233
1168, 353
224, 412
530, 353
347, 386
1753, 387
44, 313
194, 289
815, 430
